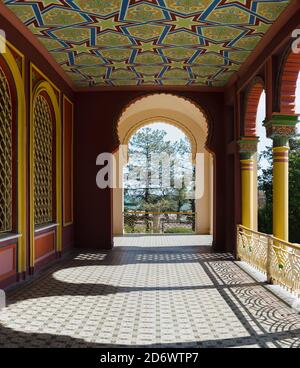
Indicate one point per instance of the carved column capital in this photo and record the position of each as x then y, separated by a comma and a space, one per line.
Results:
281, 128
248, 147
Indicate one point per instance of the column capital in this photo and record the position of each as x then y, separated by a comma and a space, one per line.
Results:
281, 128
248, 147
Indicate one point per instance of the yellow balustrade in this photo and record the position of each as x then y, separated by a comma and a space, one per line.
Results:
279, 260
159, 222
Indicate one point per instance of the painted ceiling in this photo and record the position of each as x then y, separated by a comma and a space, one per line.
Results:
154, 42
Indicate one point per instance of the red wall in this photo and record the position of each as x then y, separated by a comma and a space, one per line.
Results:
8, 264
31, 55
26, 48
96, 114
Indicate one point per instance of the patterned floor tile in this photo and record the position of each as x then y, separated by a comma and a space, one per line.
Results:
169, 291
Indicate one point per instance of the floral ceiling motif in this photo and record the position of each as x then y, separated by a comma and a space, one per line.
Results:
154, 42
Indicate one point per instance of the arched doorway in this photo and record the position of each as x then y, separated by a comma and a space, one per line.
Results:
187, 117
159, 182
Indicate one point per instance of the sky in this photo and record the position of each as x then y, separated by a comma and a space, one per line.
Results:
261, 114
173, 133
261, 130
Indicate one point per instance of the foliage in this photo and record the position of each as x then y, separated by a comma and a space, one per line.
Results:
266, 184
159, 205
130, 221
179, 230
294, 176
146, 148
136, 229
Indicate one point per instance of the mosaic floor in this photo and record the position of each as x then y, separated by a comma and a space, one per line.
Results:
148, 292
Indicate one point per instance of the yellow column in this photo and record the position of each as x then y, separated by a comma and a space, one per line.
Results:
248, 149
247, 172
281, 128
281, 192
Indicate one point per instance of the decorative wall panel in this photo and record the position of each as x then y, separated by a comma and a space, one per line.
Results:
44, 245
150, 42
5, 155
7, 261
43, 161
68, 162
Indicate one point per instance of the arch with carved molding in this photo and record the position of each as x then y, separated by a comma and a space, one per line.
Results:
178, 111
290, 71
253, 96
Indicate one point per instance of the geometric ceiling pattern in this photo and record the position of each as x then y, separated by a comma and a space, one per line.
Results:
154, 42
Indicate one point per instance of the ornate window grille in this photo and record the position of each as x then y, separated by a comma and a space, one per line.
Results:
5, 155
43, 157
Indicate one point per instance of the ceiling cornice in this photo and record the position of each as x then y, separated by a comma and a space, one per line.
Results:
239, 76
19, 26
151, 88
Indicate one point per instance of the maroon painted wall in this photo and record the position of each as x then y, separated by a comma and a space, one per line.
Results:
96, 115
31, 55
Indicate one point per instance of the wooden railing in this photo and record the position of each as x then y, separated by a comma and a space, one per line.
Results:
159, 222
277, 259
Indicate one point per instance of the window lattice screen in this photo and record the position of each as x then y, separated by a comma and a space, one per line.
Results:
43, 145
5, 155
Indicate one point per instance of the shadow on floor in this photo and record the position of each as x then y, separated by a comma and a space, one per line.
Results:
14, 339
159, 272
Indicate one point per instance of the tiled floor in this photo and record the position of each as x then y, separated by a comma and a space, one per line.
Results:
148, 292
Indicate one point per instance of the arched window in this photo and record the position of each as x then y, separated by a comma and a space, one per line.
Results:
6, 167
43, 161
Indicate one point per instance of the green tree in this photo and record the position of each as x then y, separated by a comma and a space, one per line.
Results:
146, 143
294, 187
266, 185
